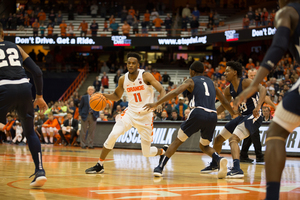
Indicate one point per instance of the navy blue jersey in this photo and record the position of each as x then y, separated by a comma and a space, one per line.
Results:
248, 107
294, 40
11, 62
204, 93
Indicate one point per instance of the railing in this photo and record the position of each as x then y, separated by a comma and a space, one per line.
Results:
83, 73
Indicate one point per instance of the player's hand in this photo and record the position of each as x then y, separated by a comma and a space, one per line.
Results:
249, 91
159, 108
150, 106
256, 112
40, 102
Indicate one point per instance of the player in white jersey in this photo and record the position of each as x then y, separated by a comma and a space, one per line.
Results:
138, 85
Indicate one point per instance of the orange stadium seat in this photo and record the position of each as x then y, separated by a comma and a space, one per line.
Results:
145, 34
12, 34
154, 35
103, 35
5, 34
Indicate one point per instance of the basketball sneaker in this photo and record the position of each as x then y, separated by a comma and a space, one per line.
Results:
210, 168
223, 168
158, 171
235, 173
39, 179
97, 169
165, 148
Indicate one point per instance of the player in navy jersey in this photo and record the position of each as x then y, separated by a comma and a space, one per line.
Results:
241, 127
287, 114
15, 93
203, 116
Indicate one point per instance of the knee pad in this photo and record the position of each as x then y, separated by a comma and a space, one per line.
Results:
204, 142
117, 130
225, 134
241, 131
275, 138
182, 136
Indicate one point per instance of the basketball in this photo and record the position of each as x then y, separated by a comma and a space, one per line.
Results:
97, 102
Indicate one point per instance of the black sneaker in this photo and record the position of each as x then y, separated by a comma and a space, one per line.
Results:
165, 148
235, 173
158, 171
97, 169
260, 159
210, 168
246, 160
39, 179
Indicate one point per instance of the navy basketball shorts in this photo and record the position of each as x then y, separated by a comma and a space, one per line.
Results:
251, 124
202, 120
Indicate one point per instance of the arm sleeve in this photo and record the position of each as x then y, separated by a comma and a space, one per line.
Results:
37, 74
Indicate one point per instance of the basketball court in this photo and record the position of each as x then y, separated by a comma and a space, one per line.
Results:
128, 175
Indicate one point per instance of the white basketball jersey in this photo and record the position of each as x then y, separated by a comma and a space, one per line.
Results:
138, 92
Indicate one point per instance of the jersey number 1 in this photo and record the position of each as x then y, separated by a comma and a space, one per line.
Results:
206, 89
137, 97
12, 58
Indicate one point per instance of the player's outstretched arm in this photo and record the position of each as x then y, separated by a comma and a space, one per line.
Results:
117, 94
286, 21
186, 85
228, 97
224, 102
37, 74
269, 101
149, 79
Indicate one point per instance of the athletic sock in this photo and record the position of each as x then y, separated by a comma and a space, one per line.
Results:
35, 149
164, 162
236, 163
51, 139
273, 189
100, 161
216, 157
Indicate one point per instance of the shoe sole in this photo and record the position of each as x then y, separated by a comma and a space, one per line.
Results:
236, 176
223, 168
157, 174
208, 171
39, 182
94, 172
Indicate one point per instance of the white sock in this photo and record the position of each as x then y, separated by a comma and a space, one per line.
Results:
100, 162
46, 139
24, 140
51, 139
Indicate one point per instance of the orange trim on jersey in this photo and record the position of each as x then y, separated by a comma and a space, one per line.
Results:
123, 113
8, 126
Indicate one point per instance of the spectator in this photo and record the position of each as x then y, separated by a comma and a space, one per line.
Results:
124, 103
103, 117
94, 28
105, 26
184, 22
36, 27
209, 71
186, 114
153, 16
129, 19
246, 22
103, 11
144, 25
10, 16
51, 16
250, 64
70, 12
97, 84
112, 19
175, 116
88, 120
131, 11
126, 29
70, 30
104, 80
216, 19
59, 18
117, 111
194, 26
155, 117
42, 29
63, 28
123, 14
8, 128
166, 78
14, 22
266, 114
84, 27
3, 21
147, 18
196, 13
251, 15
42, 16
272, 17
29, 11
164, 115
157, 23
135, 26
168, 24
137, 15
264, 17
49, 60
94, 10
181, 107
257, 18
157, 75
40, 56
50, 128
69, 127
50, 23
104, 68
117, 77
186, 12
114, 28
